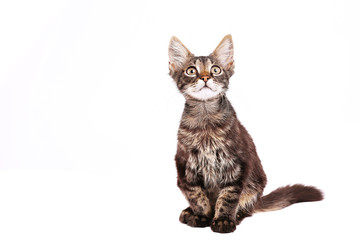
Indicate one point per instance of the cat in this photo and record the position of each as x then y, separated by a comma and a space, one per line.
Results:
219, 171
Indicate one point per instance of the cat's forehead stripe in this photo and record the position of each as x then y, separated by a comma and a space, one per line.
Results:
203, 64
199, 65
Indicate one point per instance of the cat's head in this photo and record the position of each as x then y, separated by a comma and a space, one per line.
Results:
204, 77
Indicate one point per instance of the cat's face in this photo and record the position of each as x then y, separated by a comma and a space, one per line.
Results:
205, 77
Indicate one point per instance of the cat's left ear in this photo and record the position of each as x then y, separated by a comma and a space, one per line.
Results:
178, 54
224, 53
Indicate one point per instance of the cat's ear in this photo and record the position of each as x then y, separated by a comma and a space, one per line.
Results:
224, 53
178, 54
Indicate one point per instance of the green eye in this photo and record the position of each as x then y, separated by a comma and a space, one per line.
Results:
215, 70
191, 71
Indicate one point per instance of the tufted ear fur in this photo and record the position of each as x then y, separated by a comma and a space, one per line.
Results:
178, 54
224, 53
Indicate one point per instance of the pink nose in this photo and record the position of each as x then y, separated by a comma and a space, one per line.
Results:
205, 78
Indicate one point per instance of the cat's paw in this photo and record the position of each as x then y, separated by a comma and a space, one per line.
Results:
185, 215
188, 217
223, 225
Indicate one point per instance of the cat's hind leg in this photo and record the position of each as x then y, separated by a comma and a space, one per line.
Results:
242, 214
246, 205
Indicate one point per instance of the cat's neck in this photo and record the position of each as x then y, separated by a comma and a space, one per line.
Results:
214, 105
199, 113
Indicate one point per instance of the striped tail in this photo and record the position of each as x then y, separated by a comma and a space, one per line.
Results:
285, 196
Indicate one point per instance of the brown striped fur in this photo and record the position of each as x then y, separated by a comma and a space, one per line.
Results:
219, 171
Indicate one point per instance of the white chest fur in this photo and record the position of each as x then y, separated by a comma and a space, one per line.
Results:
214, 167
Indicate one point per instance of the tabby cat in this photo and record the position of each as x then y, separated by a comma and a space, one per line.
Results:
219, 171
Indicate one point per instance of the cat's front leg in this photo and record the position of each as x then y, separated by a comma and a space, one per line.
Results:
224, 220
199, 212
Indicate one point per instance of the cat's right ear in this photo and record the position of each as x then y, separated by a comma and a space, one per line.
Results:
178, 54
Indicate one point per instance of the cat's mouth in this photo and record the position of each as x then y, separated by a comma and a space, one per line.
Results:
205, 88
204, 92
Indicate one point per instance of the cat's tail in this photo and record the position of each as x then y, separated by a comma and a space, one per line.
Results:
285, 196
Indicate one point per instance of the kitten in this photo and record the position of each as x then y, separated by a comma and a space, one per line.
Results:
219, 171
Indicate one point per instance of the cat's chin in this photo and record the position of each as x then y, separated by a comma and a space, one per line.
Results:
204, 93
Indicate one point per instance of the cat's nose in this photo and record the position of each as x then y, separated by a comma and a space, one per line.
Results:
205, 78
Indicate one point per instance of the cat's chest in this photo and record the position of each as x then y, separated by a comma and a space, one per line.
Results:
212, 167
209, 159
206, 140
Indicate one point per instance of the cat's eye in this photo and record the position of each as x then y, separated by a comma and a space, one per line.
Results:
191, 71
215, 70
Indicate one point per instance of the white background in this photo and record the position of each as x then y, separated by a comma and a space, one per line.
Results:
89, 115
